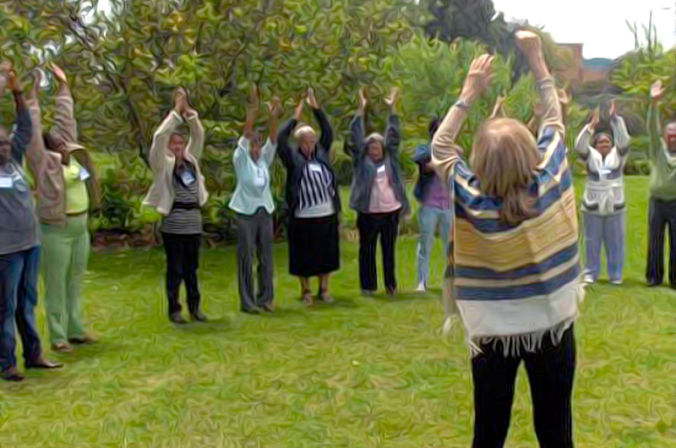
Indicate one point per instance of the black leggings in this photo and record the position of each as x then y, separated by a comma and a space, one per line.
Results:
550, 373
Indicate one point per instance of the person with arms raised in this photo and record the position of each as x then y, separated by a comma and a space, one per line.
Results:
252, 201
19, 243
516, 282
178, 192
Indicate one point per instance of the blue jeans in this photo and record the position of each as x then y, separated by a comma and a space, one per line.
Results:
431, 219
608, 231
18, 298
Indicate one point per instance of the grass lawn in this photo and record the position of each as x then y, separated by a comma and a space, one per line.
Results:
360, 373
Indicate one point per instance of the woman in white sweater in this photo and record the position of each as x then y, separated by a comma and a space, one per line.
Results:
603, 204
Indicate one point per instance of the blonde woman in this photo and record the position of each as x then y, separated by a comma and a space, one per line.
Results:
312, 200
516, 282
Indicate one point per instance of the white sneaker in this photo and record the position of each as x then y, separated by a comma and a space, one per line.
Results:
588, 279
616, 282
421, 287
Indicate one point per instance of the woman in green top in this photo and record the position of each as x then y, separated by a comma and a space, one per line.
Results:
67, 188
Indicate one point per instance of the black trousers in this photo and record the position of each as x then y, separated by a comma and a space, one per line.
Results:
661, 214
372, 225
550, 373
182, 262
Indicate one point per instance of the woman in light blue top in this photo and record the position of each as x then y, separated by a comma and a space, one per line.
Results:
252, 201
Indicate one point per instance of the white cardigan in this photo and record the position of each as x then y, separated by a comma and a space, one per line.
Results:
162, 161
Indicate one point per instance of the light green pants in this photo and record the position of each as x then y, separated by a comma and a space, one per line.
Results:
65, 251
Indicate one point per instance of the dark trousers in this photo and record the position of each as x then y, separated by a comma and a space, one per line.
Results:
255, 236
662, 213
18, 298
372, 225
182, 262
550, 372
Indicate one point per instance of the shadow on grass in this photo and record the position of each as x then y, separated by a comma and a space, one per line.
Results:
219, 325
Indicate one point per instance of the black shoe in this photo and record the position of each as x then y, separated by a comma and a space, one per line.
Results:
652, 284
42, 363
177, 318
86, 339
11, 374
251, 310
392, 292
198, 316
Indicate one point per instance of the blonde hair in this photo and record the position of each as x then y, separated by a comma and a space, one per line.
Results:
303, 129
504, 156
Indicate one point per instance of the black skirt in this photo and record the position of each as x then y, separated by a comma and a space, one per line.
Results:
313, 246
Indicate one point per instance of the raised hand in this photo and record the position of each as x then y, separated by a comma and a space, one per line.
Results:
312, 99
499, 103
298, 111
612, 110
657, 90
275, 106
37, 79
13, 81
254, 95
595, 119
363, 102
529, 43
180, 100
391, 99
59, 73
478, 78
564, 99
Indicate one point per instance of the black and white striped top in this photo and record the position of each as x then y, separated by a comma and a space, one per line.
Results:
316, 186
181, 221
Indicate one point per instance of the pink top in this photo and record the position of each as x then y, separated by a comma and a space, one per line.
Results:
383, 199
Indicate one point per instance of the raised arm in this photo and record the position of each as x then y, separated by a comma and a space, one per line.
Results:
392, 133
284, 151
36, 148
24, 129
653, 120
355, 144
445, 152
583, 141
158, 149
326, 137
620, 133
552, 116
499, 107
64, 116
270, 147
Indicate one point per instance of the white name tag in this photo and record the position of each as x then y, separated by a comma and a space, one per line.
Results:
6, 182
188, 178
259, 178
604, 171
317, 168
381, 169
84, 174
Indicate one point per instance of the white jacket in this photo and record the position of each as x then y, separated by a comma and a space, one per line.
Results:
162, 161
604, 192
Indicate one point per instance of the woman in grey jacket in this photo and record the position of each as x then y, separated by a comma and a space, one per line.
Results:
377, 194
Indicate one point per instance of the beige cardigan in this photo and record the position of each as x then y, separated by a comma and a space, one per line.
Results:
46, 165
162, 161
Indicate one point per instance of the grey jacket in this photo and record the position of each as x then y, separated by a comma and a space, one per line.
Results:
365, 169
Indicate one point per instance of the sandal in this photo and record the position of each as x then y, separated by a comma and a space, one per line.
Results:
307, 298
325, 297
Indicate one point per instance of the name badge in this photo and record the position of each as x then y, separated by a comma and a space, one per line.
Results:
259, 179
6, 182
604, 171
188, 178
84, 175
317, 168
381, 169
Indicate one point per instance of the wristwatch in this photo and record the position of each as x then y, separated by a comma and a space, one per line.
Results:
462, 105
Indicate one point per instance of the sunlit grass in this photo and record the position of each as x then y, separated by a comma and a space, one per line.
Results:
361, 373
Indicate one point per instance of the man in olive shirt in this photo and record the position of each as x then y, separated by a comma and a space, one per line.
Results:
662, 191
19, 245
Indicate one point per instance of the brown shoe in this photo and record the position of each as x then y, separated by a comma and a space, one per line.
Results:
62, 347
86, 339
42, 363
11, 374
268, 307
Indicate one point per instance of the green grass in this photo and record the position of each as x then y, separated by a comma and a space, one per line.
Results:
361, 373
